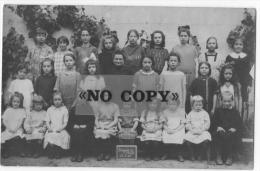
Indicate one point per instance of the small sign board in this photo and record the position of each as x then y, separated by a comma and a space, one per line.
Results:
126, 152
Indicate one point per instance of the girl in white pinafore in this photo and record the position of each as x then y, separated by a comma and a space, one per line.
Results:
173, 119
56, 136
152, 129
13, 119
35, 126
197, 125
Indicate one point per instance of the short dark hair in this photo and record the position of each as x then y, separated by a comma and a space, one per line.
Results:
52, 65
119, 52
63, 39
57, 93
111, 38
151, 58
92, 62
174, 54
206, 63
21, 66
20, 96
185, 29
69, 54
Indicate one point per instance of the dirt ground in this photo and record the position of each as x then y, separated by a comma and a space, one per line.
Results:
140, 163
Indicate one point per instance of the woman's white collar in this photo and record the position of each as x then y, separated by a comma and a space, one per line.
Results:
238, 55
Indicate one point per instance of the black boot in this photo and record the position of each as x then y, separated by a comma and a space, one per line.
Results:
4, 150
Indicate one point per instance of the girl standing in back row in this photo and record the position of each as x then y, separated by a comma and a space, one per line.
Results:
188, 54
212, 57
133, 51
157, 51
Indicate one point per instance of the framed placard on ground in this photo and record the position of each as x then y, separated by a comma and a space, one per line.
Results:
126, 152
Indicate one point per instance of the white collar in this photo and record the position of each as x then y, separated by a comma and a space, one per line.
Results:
147, 73
238, 55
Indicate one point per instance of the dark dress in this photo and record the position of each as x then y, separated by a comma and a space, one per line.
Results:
106, 60
82, 138
206, 88
134, 54
159, 55
226, 141
119, 80
44, 87
242, 68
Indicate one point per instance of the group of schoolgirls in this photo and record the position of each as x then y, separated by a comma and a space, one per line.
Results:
45, 110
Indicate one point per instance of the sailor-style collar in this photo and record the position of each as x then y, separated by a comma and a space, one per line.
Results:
238, 55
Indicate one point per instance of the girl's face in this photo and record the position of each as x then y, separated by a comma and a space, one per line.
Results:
57, 100
106, 97
227, 102
63, 45
184, 37
238, 46
157, 38
132, 38
212, 44
21, 74
108, 43
16, 102
204, 70
147, 64
153, 105
172, 105
38, 106
69, 62
228, 74
118, 60
46, 67
92, 69
173, 62
198, 105
85, 37
41, 37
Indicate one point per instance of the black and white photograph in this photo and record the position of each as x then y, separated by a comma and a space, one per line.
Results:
132, 86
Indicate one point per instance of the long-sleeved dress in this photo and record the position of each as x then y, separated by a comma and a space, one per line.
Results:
206, 88
106, 114
25, 87
173, 120
67, 83
174, 82
215, 60
151, 120
145, 81
133, 54
35, 122
56, 120
82, 55
241, 64
44, 87
89, 82
13, 121
188, 54
160, 56
226, 119
198, 124
36, 55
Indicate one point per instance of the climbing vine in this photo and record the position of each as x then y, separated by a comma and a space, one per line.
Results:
53, 18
